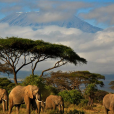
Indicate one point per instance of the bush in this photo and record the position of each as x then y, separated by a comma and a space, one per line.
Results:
75, 112
83, 103
72, 96
6, 84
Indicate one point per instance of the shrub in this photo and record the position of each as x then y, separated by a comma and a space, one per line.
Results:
72, 96
6, 84
83, 103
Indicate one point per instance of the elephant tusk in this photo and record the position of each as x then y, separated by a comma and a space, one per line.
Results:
4, 100
38, 100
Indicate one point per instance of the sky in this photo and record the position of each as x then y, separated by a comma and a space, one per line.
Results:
97, 48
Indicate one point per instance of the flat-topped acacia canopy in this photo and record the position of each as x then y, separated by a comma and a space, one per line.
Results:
12, 48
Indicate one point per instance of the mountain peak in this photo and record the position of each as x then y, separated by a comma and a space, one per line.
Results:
21, 19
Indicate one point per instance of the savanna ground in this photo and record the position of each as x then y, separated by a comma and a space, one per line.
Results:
97, 109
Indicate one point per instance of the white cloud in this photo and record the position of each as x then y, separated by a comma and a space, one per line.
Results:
102, 14
49, 10
97, 48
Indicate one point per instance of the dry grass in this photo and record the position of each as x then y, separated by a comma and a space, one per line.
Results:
97, 109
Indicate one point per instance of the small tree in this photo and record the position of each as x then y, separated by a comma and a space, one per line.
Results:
90, 92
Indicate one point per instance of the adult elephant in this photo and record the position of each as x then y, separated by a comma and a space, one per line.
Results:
108, 103
4, 99
25, 94
54, 101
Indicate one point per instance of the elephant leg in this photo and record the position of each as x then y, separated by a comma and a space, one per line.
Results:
17, 109
53, 104
27, 103
38, 107
3, 104
6, 105
106, 110
10, 108
59, 107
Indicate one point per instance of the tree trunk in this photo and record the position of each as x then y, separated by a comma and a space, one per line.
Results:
15, 76
32, 71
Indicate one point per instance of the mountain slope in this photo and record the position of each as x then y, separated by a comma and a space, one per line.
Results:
21, 19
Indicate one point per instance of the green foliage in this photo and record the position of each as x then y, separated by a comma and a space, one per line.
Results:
40, 82
83, 103
75, 112
6, 84
73, 79
41, 47
91, 88
34, 80
88, 77
72, 96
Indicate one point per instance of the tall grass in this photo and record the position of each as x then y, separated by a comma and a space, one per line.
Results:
97, 109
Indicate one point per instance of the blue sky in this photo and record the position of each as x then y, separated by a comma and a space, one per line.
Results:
96, 12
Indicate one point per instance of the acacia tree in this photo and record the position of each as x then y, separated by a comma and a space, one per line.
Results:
12, 49
87, 77
73, 80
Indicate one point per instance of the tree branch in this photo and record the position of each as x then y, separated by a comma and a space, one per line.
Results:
56, 65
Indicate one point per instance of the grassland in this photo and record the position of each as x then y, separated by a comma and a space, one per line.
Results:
97, 109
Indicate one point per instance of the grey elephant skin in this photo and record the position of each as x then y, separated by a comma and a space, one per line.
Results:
108, 103
4, 99
30, 95
54, 101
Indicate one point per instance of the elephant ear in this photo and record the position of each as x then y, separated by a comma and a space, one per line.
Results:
29, 91
2, 91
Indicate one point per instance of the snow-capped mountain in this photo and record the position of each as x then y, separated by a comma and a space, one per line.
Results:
21, 19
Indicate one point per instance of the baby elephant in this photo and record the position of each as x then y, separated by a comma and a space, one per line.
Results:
108, 103
54, 101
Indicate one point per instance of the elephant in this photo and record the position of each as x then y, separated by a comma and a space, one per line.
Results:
30, 95
4, 99
54, 101
42, 106
108, 103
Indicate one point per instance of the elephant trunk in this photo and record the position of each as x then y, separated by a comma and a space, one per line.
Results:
38, 102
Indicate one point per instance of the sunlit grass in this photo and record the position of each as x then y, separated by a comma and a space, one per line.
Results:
97, 109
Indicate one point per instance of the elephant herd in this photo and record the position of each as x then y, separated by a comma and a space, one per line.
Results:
30, 96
